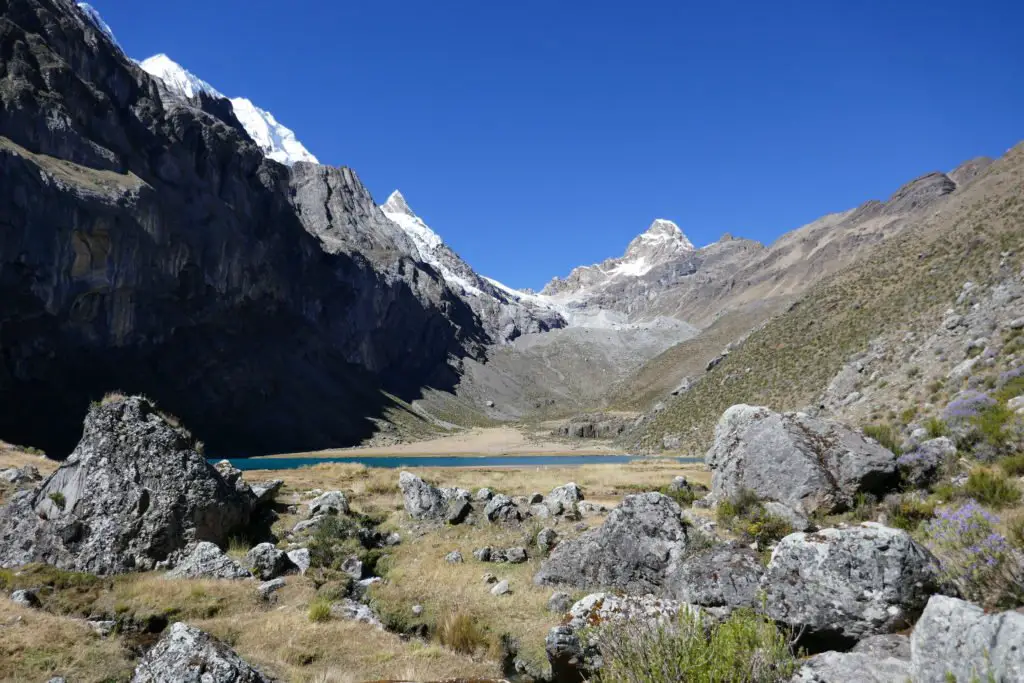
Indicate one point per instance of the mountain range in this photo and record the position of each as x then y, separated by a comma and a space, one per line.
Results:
160, 237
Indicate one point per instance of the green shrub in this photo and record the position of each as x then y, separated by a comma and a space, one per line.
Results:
908, 414
991, 487
885, 435
908, 512
744, 514
1015, 528
975, 557
459, 631
1013, 465
995, 426
745, 647
936, 427
319, 610
58, 499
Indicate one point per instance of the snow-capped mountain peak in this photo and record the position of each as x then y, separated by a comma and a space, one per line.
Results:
94, 16
396, 204
425, 239
177, 78
275, 140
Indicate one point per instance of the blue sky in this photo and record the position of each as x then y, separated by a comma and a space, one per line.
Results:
538, 135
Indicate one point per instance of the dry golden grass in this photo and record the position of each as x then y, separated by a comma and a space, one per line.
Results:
35, 645
15, 456
280, 637
285, 643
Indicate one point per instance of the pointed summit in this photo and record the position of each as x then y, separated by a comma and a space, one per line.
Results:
662, 239
396, 204
176, 77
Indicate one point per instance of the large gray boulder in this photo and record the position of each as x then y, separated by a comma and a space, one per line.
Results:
837, 586
502, 510
207, 561
957, 638
808, 464
135, 492
852, 667
425, 502
640, 542
187, 655
725, 575
422, 501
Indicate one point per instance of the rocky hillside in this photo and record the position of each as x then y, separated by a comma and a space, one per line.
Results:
902, 283
148, 244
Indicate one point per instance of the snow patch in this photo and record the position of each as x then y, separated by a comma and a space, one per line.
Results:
276, 141
94, 17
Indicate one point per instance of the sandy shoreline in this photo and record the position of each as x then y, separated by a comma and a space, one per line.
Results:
481, 441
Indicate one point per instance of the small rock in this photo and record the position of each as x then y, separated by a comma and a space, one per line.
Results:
208, 561
952, 322
566, 494
268, 588
454, 557
679, 484
266, 490
1016, 324
267, 562
547, 539
501, 588
417, 610
515, 555
559, 602
307, 525
25, 597
330, 503
300, 558
353, 566
347, 608
490, 578
535, 498
393, 539
102, 627
483, 554
458, 510
484, 495
489, 404
1016, 404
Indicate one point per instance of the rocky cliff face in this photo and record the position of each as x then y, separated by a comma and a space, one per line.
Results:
147, 244
504, 313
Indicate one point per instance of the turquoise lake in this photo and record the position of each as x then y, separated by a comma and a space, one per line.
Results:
395, 461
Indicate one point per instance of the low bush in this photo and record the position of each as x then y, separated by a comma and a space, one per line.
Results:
908, 512
460, 632
1013, 465
745, 647
935, 427
975, 557
991, 487
886, 435
320, 610
745, 514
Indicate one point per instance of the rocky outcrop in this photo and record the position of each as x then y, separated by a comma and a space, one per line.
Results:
837, 586
805, 463
134, 494
429, 503
955, 638
593, 427
639, 544
725, 575
852, 667
919, 466
140, 226
207, 561
573, 648
187, 655
267, 562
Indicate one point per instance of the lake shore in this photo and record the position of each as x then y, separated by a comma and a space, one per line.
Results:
480, 441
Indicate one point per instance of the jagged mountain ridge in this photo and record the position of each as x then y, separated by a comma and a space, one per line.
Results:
148, 245
505, 313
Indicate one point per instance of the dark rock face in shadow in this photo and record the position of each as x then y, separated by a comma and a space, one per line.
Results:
147, 246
